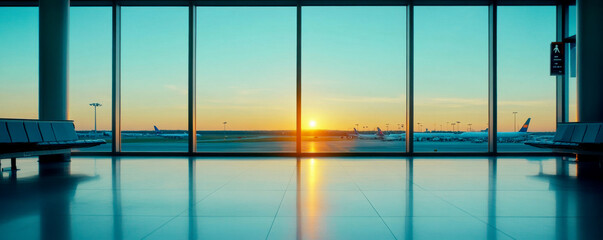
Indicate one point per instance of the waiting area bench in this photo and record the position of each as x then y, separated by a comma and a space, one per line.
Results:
27, 138
578, 138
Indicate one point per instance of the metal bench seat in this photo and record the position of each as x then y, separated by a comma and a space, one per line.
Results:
21, 138
579, 138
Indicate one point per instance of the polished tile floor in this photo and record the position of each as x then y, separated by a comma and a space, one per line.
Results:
287, 198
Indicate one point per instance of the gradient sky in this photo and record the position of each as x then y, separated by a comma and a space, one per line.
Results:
353, 61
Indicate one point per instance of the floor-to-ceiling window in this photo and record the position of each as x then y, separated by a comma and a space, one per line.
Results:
526, 90
246, 72
19, 62
573, 92
90, 50
451, 79
353, 79
154, 78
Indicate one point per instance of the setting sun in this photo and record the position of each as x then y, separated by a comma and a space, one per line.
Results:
312, 123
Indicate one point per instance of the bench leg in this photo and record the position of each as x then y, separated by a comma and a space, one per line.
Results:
13, 164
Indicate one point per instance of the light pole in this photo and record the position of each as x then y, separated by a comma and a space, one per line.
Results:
469, 126
224, 129
387, 127
356, 125
459, 127
514, 121
95, 105
452, 124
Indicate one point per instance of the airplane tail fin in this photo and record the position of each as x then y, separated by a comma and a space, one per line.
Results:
356, 131
156, 130
525, 126
379, 132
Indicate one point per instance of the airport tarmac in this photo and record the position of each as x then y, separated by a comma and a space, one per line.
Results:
316, 146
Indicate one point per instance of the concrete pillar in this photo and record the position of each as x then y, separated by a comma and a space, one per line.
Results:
53, 75
589, 59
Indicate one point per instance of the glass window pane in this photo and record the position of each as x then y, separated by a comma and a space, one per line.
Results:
246, 79
525, 88
19, 62
154, 78
573, 91
354, 77
90, 82
572, 20
451, 79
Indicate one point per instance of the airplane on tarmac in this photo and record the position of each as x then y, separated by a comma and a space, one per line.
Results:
377, 136
421, 136
172, 135
123, 134
521, 134
439, 136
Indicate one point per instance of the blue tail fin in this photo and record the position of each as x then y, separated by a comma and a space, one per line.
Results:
525, 126
156, 130
356, 131
379, 132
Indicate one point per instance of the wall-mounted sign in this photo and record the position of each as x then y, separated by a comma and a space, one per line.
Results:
557, 58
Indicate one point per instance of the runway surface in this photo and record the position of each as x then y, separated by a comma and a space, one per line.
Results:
316, 146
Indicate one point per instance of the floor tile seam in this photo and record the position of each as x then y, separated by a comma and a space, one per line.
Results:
552, 217
478, 190
350, 176
413, 183
185, 217
216, 217
188, 208
136, 189
339, 216
473, 216
121, 215
216, 190
175, 217
321, 190
328, 217
252, 190
279, 206
219, 188
380, 217
370, 203
159, 227
342, 216
293, 174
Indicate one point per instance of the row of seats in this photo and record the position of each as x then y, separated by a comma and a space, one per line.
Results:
32, 135
590, 133
586, 138
33, 132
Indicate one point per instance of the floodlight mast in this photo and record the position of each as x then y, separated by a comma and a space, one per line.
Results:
225, 129
95, 105
514, 121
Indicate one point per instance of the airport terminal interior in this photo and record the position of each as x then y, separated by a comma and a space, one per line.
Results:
301, 119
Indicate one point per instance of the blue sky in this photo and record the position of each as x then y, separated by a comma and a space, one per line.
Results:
353, 61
